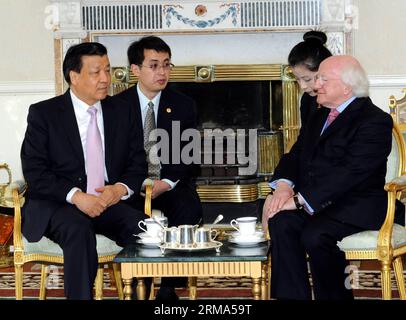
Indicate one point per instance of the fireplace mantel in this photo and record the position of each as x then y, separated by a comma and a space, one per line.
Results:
74, 21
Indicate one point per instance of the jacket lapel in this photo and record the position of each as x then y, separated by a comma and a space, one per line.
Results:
315, 126
68, 121
164, 118
110, 127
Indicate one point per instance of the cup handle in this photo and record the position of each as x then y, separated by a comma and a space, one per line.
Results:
142, 223
213, 234
234, 224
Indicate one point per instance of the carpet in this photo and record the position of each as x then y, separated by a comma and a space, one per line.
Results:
367, 284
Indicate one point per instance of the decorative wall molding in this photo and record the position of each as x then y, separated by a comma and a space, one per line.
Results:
387, 81
27, 87
190, 15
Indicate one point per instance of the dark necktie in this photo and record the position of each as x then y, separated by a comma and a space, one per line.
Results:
149, 143
94, 155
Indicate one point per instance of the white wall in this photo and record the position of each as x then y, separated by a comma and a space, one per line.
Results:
26, 45
379, 40
15, 98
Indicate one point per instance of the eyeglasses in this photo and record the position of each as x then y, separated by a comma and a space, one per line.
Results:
155, 66
323, 80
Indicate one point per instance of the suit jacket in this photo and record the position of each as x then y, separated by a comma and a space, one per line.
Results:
53, 160
308, 106
173, 106
341, 173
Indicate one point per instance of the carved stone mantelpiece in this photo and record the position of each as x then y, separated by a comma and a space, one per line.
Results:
74, 21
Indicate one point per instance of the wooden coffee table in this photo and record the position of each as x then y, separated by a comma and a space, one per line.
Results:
139, 262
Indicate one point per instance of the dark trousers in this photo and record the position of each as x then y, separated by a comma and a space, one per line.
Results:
180, 205
76, 232
293, 235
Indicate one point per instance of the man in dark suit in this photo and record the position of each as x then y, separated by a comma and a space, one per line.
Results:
81, 157
156, 106
329, 186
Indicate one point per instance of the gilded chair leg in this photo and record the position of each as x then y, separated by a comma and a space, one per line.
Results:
42, 286
256, 288
192, 288
264, 279
117, 278
99, 283
269, 277
18, 281
400, 280
141, 289
385, 280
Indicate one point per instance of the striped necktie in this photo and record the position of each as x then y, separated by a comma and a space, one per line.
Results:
149, 143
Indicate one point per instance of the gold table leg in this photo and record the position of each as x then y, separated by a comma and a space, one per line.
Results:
127, 289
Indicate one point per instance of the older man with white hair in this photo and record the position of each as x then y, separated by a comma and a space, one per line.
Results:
336, 174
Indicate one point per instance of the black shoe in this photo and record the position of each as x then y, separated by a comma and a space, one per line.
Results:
166, 295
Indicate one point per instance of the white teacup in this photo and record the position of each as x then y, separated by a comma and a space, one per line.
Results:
244, 225
149, 226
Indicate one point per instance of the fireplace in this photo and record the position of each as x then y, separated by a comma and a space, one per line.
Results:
237, 101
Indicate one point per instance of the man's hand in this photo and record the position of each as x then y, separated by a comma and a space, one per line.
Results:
112, 194
89, 204
289, 205
282, 193
279, 200
159, 187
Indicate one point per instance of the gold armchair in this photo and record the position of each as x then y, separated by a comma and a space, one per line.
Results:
48, 252
387, 245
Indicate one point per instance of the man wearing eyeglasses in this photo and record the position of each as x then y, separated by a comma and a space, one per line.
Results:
329, 186
174, 192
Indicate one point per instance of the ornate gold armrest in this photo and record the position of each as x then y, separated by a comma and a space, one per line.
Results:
397, 184
384, 244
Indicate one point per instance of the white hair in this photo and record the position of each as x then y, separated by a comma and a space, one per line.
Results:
357, 79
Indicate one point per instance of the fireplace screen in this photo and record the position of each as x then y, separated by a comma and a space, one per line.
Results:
225, 104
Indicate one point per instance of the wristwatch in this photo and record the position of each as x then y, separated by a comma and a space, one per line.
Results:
297, 203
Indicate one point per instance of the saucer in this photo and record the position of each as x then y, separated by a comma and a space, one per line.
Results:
244, 238
247, 240
144, 235
147, 240
150, 242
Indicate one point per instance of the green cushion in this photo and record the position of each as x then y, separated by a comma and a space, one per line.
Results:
105, 246
392, 166
367, 240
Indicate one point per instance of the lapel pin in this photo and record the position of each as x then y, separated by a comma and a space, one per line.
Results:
168, 110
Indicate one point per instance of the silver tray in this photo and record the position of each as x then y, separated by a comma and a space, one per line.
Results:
206, 246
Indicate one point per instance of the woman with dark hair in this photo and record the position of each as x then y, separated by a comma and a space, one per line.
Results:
304, 59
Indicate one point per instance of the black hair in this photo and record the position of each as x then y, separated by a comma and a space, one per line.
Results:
135, 52
73, 57
310, 52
